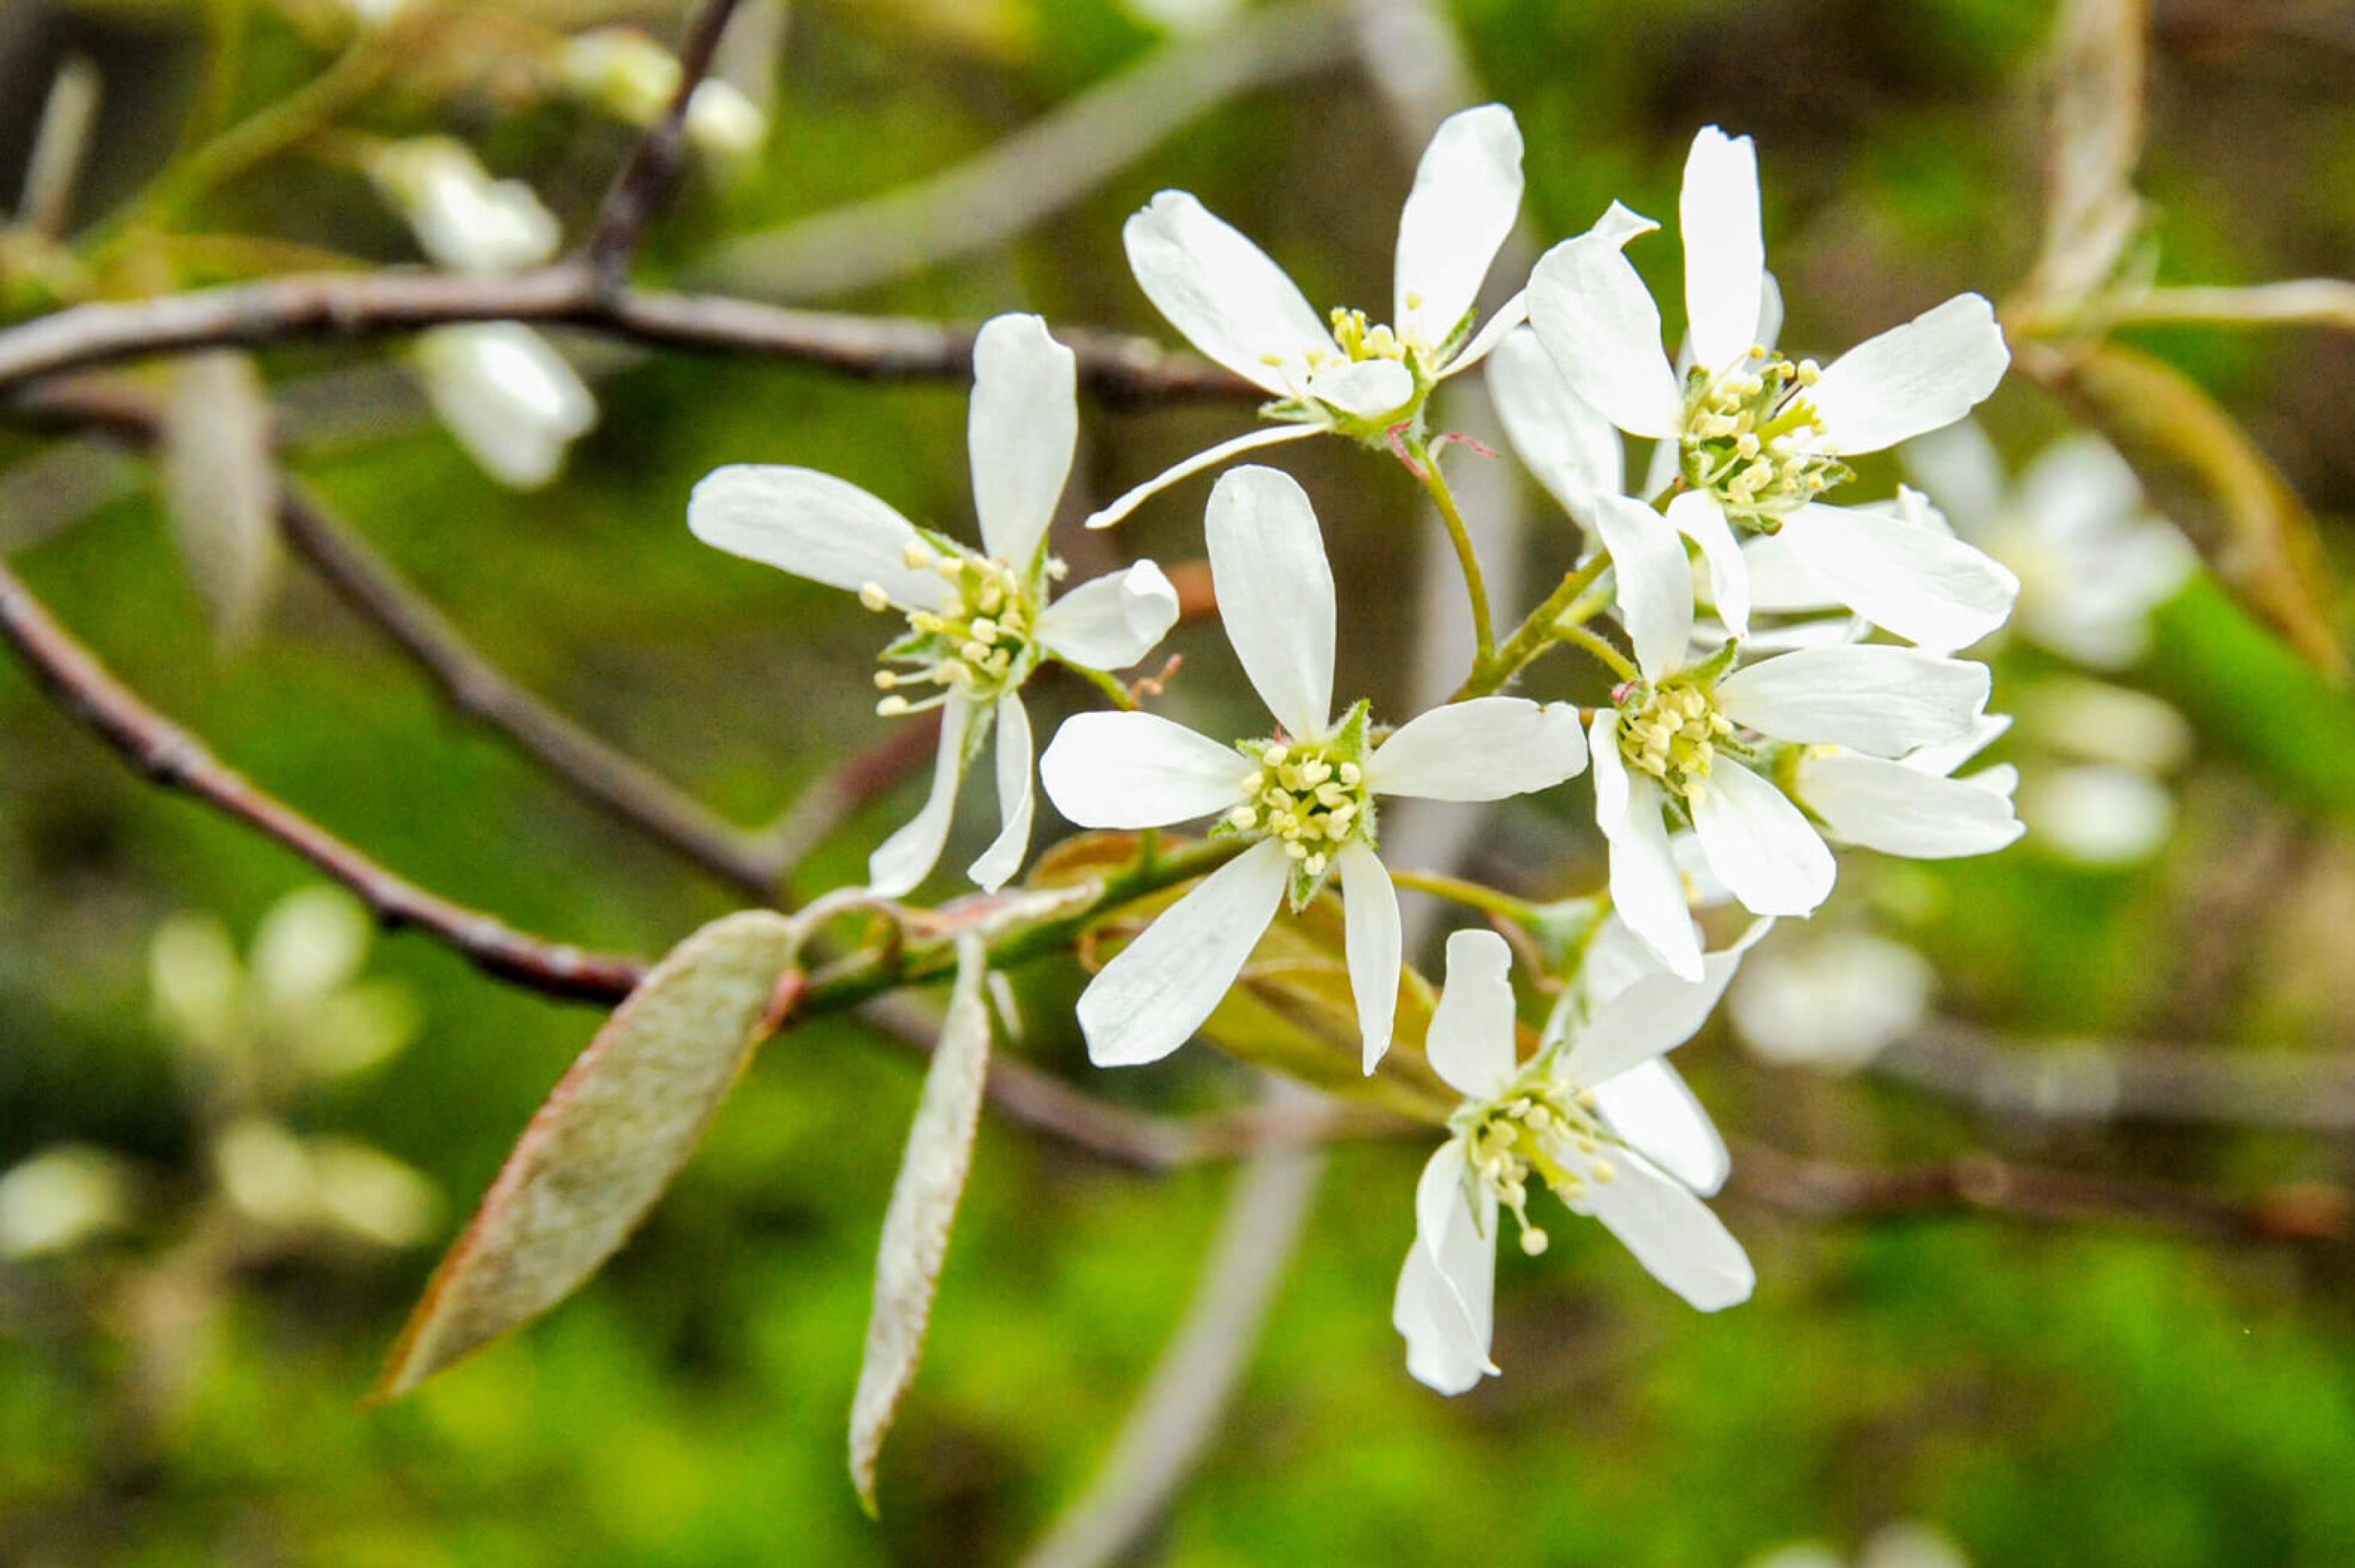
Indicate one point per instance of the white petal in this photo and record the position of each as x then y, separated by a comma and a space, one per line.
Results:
1652, 1108
1444, 1304
1470, 1041
1947, 756
1484, 749
1646, 889
512, 402
1924, 585
1276, 593
1020, 433
1780, 583
1962, 472
1882, 700
1595, 317
1770, 311
1564, 439
907, 856
1138, 770
1111, 621
1900, 809
1209, 456
1222, 292
1913, 379
1655, 582
2079, 488
1015, 798
2099, 815
1726, 254
1152, 997
1467, 199
1648, 1018
1761, 847
1371, 937
813, 525
1700, 518
1672, 1234
1368, 389
1511, 316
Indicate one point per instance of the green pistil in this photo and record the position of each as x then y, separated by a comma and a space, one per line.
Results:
1309, 796
1753, 439
983, 644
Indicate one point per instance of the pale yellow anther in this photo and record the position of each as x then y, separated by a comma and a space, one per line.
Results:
1351, 774
1314, 865
1602, 1171
1533, 1240
1243, 817
1275, 755
885, 680
914, 556
1296, 849
891, 707
1809, 373
872, 596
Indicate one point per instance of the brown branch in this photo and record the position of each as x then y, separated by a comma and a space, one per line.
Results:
1983, 1183
474, 686
605, 774
1115, 369
171, 757
651, 174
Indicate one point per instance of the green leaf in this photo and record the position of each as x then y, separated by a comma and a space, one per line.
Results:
606, 1144
923, 1206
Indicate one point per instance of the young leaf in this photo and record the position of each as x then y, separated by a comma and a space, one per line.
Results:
606, 1143
220, 487
923, 1206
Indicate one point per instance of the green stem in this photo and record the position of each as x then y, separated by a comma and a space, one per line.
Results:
1533, 636
1434, 483
1110, 686
258, 137
1472, 895
1621, 665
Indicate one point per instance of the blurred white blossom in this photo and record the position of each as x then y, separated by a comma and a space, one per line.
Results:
60, 1198
1833, 1000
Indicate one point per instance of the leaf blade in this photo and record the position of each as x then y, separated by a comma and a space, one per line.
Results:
605, 1145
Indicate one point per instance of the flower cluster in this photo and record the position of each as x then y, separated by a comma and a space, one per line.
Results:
1781, 671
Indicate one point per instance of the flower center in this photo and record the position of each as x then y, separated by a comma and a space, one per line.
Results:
981, 642
1544, 1126
1312, 798
1361, 340
1673, 734
1753, 441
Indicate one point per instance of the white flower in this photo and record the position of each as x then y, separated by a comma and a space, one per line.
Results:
2093, 559
1341, 372
514, 403
1911, 805
1757, 438
1305, 796
978, 622
2098, 815
1565, 441
1833, 1001
1688, 737
463, 219
631, 76
1596, 1114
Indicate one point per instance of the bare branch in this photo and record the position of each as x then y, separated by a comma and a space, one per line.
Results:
172, 757
2301, 301
1118, 369
2097, 1082
1981, 1183
647, 180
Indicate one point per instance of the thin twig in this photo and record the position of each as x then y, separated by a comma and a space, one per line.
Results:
175, 759
651, 174
1981, 1183
478, 688
752, 862
1115, 369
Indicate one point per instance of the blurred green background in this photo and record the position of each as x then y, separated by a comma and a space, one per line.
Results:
2064, 1393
